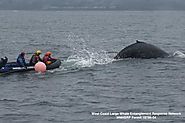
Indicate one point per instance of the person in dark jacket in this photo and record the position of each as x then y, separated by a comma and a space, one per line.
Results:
35, 57
21, 60
3, 62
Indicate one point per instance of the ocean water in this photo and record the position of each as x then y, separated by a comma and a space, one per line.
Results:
89, 79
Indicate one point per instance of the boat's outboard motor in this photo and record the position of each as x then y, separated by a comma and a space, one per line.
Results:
3, 62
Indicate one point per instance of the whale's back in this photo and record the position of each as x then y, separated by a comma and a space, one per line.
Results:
141, 50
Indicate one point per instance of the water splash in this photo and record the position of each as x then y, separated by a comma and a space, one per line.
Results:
89, 58
178, 54
82, 55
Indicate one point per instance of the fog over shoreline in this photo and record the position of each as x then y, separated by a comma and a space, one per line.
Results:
92, 4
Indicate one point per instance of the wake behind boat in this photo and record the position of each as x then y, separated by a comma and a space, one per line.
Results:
13, 67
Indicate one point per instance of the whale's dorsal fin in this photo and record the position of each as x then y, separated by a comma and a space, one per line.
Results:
137, 41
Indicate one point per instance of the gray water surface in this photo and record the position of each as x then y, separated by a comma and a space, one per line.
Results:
89, 80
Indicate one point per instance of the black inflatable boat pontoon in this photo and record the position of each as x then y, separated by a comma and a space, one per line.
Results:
12, 67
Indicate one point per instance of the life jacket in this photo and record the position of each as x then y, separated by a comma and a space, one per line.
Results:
34, 59
47, 59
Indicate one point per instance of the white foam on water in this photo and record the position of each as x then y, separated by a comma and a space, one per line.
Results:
89, 58
179, 54
83, 55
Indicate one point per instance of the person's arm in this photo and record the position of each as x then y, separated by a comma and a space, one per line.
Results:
52, 59
40, 59
32, 60
24, 63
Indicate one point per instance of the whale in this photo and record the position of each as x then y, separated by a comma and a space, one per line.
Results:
141, 50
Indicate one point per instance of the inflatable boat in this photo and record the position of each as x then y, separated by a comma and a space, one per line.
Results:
13, 67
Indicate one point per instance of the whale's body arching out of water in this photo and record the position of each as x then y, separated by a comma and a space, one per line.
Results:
141, 50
